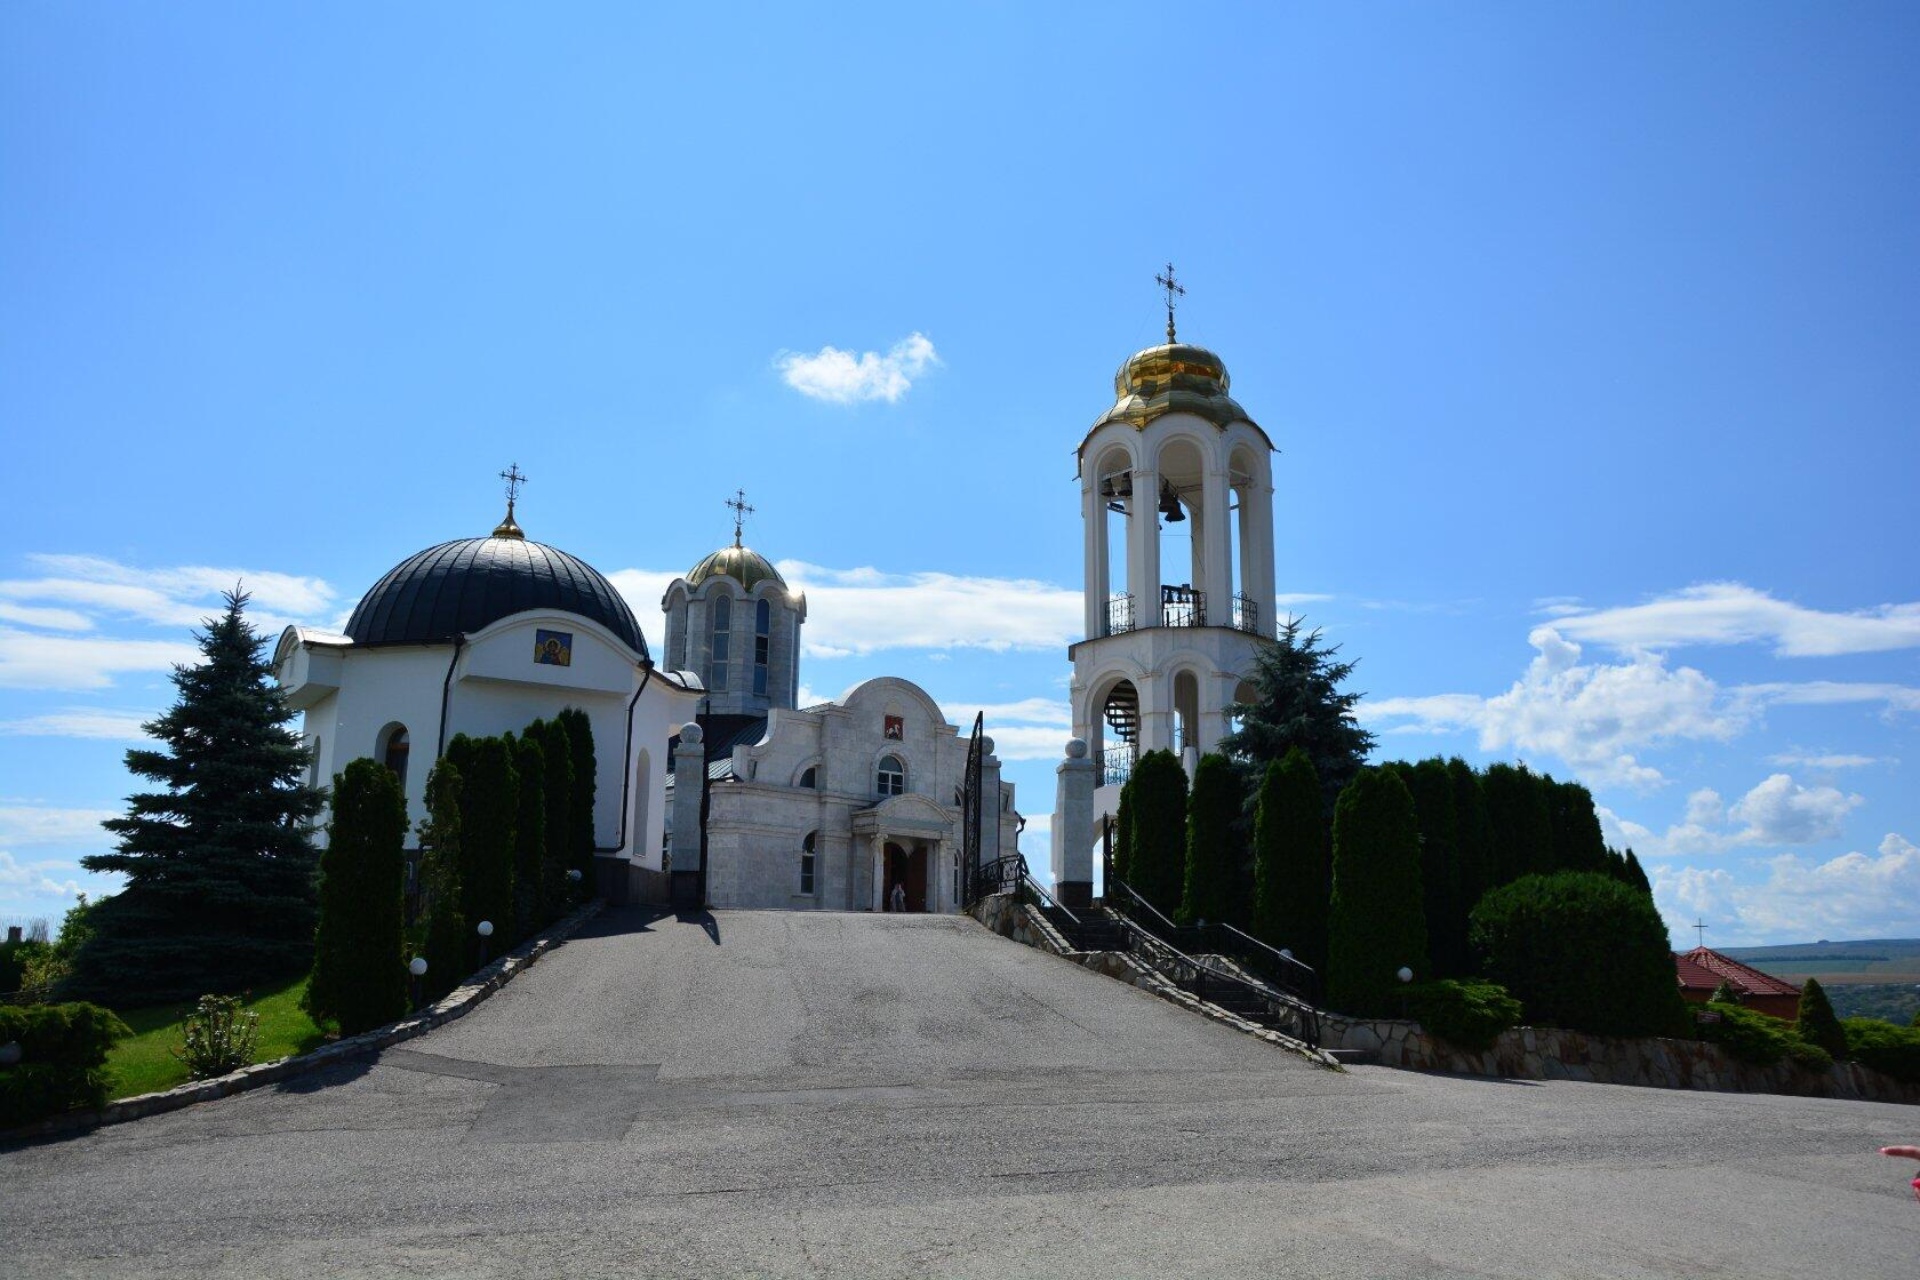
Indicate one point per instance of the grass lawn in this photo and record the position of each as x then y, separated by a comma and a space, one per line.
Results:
141, 1063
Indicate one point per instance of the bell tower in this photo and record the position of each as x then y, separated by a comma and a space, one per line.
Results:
1176, 499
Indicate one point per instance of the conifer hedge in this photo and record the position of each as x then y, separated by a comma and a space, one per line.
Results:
1431, 786
558, 854
1376, 921
447, 949
489, 803
530, 836
1213, 845
1583, 951
1123, 832
1473, 834
1157, 845
1291, 874
359, 972
1817, 1023
580, 838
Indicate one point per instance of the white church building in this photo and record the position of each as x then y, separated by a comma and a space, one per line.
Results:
826, 807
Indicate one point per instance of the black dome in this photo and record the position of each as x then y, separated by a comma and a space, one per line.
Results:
460, 587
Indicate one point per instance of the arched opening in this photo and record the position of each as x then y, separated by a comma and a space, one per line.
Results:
1186, 713
642, 799
762, 645
808, 850
892, 777
394, 746
1113, 484
907, 871
809, 778
1117, 733
722, 642
1243, 694
1182, 533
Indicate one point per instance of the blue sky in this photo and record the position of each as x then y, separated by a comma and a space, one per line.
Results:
1585, 333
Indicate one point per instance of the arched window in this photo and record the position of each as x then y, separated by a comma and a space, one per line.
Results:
762, 641
394, 754
722, 641
810, 778
807, 864
893, 776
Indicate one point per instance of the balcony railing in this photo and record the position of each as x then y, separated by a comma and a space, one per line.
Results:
1183, 606
1119, 614
1115, 765
1246, 614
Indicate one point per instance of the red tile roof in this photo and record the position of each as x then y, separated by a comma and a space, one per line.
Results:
1706, 969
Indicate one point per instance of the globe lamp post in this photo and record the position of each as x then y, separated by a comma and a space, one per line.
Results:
418, 968
485, 930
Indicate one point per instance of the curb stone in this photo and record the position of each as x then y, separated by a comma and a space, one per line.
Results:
489, 979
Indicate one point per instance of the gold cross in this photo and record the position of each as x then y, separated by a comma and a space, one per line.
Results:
738, 505
1174, 290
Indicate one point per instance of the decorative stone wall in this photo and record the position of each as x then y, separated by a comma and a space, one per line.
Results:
1548, 1053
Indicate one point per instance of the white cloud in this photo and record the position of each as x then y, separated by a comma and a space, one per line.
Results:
1805, 760
841, 377
51, 619
81, 722
1778, 811
36, 878
1732, 613
1035, 710
1827, 693
1855, 895
32, 661
39, 824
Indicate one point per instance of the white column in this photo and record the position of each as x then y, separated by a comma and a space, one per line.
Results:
1073, 827
1143, 547
1093, 514
1213, 543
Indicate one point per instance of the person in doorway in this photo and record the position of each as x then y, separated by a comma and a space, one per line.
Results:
898, 900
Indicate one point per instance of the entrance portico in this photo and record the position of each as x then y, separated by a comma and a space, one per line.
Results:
909, 839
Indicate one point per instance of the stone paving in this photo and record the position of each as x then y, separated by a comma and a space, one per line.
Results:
795, 1094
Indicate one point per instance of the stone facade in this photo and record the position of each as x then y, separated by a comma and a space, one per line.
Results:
1549, 1053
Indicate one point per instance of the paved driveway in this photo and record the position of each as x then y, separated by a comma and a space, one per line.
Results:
805, 1094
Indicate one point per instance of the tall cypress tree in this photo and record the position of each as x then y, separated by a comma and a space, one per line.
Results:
557, 747
1213, 844
1473, 833
1817, 1023
1376, 923
447, 950
1291, 873
219, 860
1432, 789
359, 969
489, 806
585, 785
1157, 846
1521, 823
1122, 833
1578, 844
530, 836
1637, 874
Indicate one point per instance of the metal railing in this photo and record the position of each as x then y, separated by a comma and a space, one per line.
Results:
1119, 614
1002, 875
1115, 765
1246, 614
1268, 982
1183, 606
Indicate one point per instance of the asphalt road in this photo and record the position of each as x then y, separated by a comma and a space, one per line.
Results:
819, 1094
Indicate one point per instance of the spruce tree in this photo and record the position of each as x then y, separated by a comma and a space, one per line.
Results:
447, 949
1376, 923
1157, 846
359, 974
1473, 834
1292, 876
219, 861
1817, 1023
1297, 702
557, 745
489, 803
1213, 844
585, 784
530, 837
1432, 789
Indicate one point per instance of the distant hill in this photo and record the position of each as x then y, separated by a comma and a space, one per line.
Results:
1872, 960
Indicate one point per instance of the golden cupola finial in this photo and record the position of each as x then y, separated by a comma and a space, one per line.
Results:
514, 478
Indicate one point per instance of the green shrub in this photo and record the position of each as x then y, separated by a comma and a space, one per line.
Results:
580, 810
1157, 846
1292, 878
1888, 1049
1213, 848
1376, 924
14, 958
359, 970
445, 939
63, 1053
1581, 950
1817, 1023
220, 1036
489, 801
1725, 993
1465, 1012
1759, 1039
530, 837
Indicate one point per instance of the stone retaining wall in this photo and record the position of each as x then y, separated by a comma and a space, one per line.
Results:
1548, 1053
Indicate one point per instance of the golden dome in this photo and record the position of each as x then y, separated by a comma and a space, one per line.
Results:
1172, 378
743, 564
